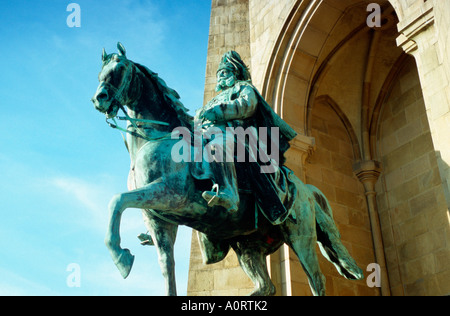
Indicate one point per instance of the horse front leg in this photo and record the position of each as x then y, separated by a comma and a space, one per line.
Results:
253, 262
122, 258
147, 197
163, 235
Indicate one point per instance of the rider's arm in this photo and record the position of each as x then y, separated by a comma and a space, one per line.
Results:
244, 106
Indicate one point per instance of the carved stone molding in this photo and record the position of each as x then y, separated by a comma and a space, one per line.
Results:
305, 145
414, 25
368, 173
302, 147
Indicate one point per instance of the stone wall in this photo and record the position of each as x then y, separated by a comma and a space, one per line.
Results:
330, 168
368, 110
411, 201
267, 18
424, 34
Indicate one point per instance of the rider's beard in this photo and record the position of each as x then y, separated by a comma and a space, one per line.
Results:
225, 83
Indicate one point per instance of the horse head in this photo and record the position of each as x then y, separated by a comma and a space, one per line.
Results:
117, 86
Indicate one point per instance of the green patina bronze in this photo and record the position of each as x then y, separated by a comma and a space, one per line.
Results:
231, 204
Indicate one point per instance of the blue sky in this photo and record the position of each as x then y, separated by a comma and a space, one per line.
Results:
59, 162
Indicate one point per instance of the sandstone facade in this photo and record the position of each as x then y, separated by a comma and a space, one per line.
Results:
372, 109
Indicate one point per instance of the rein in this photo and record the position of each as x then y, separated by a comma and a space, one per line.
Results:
120, 99
139, 133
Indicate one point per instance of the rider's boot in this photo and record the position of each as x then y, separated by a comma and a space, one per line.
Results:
225, 190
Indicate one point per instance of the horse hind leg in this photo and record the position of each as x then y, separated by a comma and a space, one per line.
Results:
304, 248
253, 262
332, 248
329, 240
301, 237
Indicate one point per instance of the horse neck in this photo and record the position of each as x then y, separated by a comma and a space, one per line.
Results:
148, 104
145, 105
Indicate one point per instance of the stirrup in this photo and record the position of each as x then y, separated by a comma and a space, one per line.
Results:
146, 240
214, 199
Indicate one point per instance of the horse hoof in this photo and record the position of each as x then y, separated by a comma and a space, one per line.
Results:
125, 262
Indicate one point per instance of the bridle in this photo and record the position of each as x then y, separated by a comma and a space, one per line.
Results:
120, 99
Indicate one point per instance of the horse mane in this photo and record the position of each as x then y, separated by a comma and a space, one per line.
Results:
170, 97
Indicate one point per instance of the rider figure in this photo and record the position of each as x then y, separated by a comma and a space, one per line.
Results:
238, 104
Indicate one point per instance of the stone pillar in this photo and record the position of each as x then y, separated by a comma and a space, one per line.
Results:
425, 38
229, 30
368, 173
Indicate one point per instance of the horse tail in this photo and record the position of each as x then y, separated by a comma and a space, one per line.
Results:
329, 239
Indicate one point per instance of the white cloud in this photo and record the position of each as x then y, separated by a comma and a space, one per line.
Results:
12, 284
93, 196
79, 204
88, 194
139, 23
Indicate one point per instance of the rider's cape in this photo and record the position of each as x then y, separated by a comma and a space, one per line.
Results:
263, 117
267, 187
271, 188
268, 200
266, 117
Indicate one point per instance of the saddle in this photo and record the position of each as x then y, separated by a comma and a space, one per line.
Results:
273, 193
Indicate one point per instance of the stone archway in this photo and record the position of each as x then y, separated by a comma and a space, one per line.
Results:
328, 62
332, 77
325, 59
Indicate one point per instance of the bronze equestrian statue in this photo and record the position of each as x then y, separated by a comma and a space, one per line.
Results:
231, 204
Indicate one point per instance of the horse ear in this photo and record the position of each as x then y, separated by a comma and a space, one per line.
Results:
121, 48
104, 55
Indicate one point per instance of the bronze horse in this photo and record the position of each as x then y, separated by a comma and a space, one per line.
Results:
169, 195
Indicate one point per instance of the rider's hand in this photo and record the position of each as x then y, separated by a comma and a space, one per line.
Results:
211, 114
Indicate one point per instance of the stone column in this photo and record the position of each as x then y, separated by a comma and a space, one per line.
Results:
368, 173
